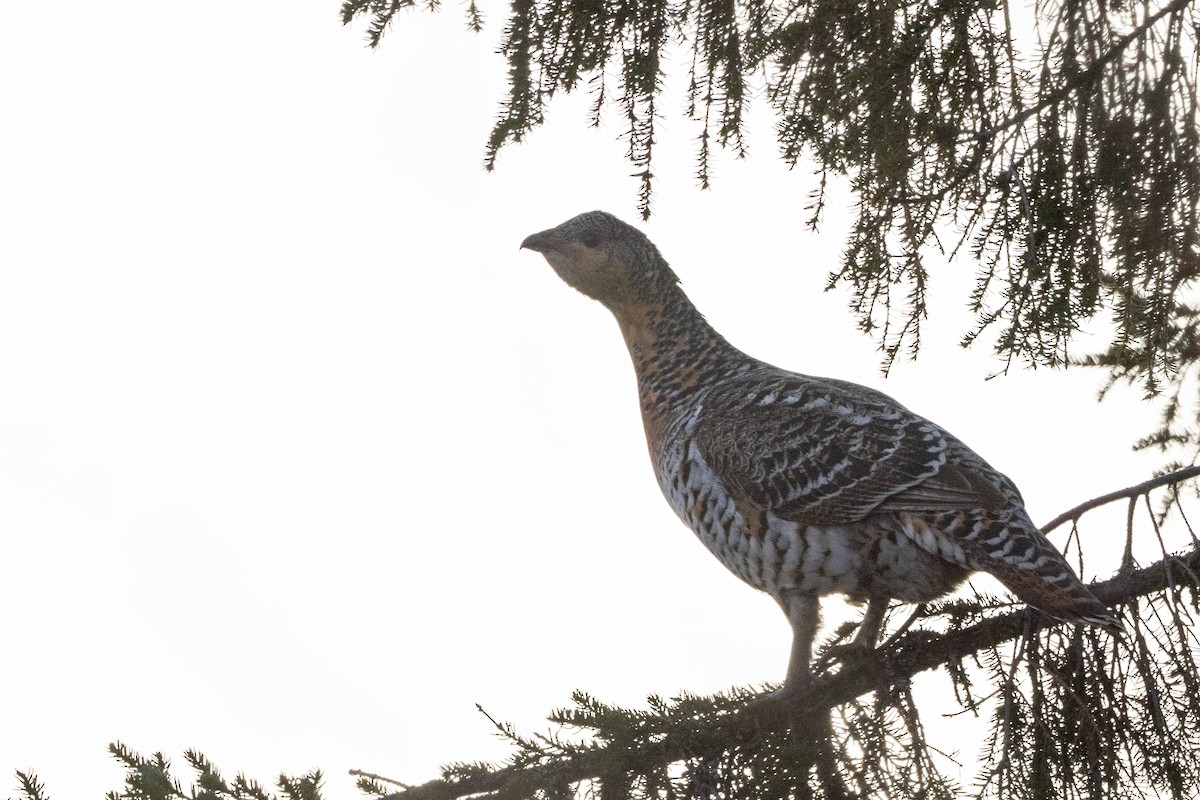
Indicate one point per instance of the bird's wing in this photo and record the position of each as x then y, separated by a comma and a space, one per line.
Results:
822, 452
828, 452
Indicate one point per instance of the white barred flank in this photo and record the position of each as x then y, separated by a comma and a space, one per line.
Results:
777, 554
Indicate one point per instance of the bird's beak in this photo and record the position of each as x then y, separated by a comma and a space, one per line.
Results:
540, 242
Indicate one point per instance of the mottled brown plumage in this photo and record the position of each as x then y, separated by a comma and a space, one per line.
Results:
806, 486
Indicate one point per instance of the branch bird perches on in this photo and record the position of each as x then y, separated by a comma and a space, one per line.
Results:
655, 741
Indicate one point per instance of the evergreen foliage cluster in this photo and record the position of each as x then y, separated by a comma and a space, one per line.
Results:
152, 779
1060, 152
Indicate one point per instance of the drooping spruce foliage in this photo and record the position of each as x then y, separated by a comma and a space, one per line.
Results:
1071, 712
1060, 150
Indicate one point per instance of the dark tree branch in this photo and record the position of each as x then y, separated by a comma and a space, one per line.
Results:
666, 741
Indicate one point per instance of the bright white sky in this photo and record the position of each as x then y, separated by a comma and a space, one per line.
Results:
300, 457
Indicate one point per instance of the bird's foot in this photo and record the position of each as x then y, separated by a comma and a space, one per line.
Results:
847, 656
789, 694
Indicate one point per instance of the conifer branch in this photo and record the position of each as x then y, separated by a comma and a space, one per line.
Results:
915, 653
659, 740
1089, 75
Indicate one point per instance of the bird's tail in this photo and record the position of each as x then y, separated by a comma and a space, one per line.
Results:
1025, 561
1009, 546
1064, 600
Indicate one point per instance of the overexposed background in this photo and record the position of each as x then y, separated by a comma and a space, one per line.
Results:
301, 458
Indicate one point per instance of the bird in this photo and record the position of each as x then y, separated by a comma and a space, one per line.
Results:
806, 486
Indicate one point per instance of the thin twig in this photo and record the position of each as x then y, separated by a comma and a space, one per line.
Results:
358, 773
1133, 491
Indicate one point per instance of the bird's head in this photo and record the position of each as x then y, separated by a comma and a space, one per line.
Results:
602, 257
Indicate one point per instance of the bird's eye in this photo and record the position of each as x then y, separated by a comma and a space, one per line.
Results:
590, 239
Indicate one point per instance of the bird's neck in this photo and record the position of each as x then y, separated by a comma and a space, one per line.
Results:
676, 353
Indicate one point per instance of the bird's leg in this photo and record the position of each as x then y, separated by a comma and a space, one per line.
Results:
804, 614
868, 629
863, 643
